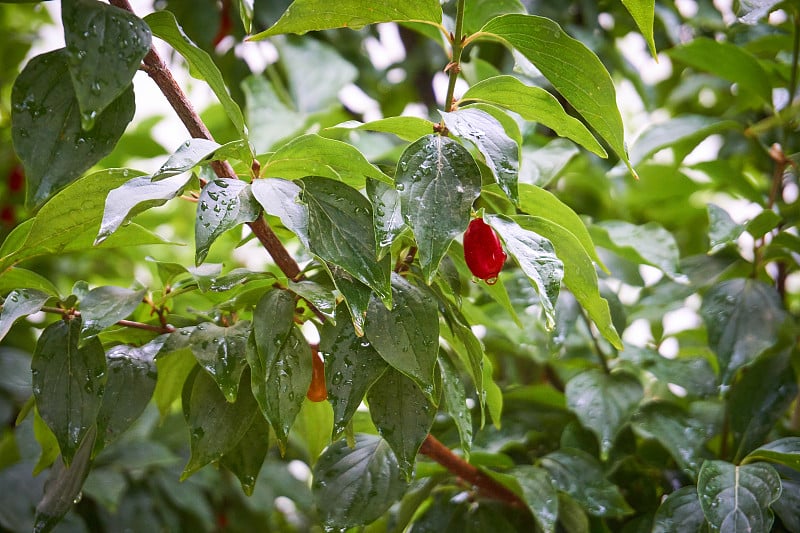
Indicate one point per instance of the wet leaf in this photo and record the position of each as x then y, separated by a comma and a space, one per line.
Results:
20, 303
223, 204
386, 214
105, 306
455, 403
680, 511
221, 352
282, 199
246, 458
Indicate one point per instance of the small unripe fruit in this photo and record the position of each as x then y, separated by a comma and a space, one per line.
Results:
317, 391
483, 251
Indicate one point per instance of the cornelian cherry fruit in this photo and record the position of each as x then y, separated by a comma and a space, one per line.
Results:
317, 391
483, 251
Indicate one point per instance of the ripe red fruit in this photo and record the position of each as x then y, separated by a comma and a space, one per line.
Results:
317, 391
7, 216
16, 179
483, 251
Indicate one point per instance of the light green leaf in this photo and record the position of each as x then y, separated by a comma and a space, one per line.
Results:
722, 230
476, 14
310, 15
643, 13
20, 303
407, 128
15, 277
221, 352
649, 244
269, 119
682, 134
223, 204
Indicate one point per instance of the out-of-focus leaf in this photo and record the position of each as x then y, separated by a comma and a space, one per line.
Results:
455, 403
407, 128
722, 230
649, 244
681, 134
680, 511
20, 303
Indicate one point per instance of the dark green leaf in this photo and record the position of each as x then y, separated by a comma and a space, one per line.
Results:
787, 505
68, 383
534, 104
223, 205
341, 231
737, 498
20, 303
351, 367
694, 374
402, 414
321, 297
387, 214
354, 486
537, 259
407, 128
540, 495
438, 180
680, 511
580, 475
281, 198
603, 403
308, 15
785, 451
649, 244
766, 221
105, 46
105, 306
221, 352
216, 426
246, 458
476, 14
407, 336
356, 294
572, 68
455, 403
46, 126
500, 152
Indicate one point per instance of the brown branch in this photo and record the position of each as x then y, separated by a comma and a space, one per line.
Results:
125, 323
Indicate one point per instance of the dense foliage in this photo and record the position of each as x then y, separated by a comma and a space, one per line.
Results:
334, 351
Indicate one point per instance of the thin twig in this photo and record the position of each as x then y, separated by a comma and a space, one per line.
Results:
125, 323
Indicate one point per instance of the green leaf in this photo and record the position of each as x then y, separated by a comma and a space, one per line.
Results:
743, 318
221, 352
402, 414
737, 498
352, 365
173, 369
438, 181
603, 403
534, 104
269, 119
573, 69
15, 277
751, 11
68, 383
407, 128
310, 15
246, 458
312, 155
46, 126
216, 426
764, 222
280, 359
281, 198
672, 427
476, 14
105, 306
680, 511
722, 230
540, 495
578, 474
105, 46
313, 427
186, 157
201, 65
355, 486
321, 297
20, 303
500, 152
356, 294
786, 506
223, 204
134, 196
694, 374
785, 451
728, 61
643, 13
130, 385
341, 231
407, 336
455, 403
387, 215
682, 134
466, 346
537, 259
649, 244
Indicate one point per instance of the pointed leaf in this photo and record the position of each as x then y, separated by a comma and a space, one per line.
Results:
387, 214
281, 198
355, 486
455, 403
15, 277
309, 15
681, 435
320, 296
105, 46
407, 336
649, 244
68, 383
356, 295
540, 495
402, 414
681, 134
341, 231
643, 13
438, 181
722, 230
534, 104
186, 157
785, 451
221, 352
574, 70
737, 498
105, 306
246, 458
407, 128
46, 126
681, 511
537, 259
500, 152
20, 303
223, 205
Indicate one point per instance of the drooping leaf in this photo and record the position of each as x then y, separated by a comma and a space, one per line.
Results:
352, 365
680, 511
536, 257
246, 458
787, 505
309, 15
387, 214
282, 198
402, 414
223, 204
221, 352
68, 383
105, 306
354, 486
455, 403
785, 451
406, 336
737, 498
681, 134
438, 180
20, 303
356, 295
407, 128
341, 231
105, 46
534, 104
500, 152
573, 69
643, 13
540, 495
313, 427
46, 126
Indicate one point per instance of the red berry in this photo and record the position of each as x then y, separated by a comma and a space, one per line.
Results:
317, 391
483, 251
7, 216
16, 179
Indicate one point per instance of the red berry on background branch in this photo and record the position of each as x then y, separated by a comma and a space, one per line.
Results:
16, 179
483, 251
317, 391
7, 216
